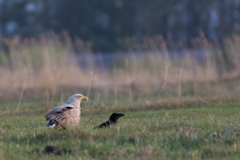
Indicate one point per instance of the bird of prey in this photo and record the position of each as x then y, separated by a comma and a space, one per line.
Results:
67, 114
112, 120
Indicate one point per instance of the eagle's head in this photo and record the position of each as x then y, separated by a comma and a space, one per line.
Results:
76, 99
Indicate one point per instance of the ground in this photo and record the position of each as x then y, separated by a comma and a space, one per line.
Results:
206, 132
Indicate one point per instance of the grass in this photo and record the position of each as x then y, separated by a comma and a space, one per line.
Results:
206, 125
207, 132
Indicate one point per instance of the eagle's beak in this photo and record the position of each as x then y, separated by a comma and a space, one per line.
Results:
84, 98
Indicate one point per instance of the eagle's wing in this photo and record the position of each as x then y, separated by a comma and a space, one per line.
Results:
58, 117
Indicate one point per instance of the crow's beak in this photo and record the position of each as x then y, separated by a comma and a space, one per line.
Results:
122, 114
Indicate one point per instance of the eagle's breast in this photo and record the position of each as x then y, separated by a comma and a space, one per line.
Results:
73, 116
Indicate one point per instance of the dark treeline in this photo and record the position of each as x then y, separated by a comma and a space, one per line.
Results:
106, 22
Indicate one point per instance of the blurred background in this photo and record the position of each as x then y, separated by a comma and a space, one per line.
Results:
119, 50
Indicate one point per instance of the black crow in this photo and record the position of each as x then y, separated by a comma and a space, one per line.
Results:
112, 120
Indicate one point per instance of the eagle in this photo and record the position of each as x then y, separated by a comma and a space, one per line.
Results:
67, 114
113, 119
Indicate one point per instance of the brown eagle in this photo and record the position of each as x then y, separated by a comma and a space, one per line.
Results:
67, 114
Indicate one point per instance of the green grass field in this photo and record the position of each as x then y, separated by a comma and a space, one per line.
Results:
206, 132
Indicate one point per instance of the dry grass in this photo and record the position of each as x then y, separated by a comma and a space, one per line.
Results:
42, 63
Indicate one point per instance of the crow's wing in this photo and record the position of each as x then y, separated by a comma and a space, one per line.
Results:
105, 124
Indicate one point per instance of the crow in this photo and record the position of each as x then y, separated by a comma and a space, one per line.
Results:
112, 120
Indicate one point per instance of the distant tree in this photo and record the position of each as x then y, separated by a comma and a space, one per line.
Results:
104, 22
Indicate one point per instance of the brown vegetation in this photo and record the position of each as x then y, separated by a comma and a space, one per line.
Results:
41, 66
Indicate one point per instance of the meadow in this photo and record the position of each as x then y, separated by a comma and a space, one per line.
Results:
176, 107
195, 132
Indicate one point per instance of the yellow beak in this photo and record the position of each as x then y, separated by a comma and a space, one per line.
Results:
84, 98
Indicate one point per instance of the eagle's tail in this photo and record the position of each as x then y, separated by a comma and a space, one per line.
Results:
51, 124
